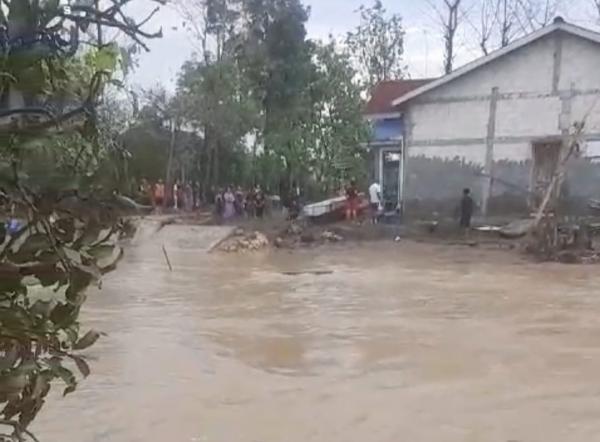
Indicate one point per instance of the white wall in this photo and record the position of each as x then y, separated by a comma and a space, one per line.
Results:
580, 63
452, 121
537, 117
526, 69
441, 115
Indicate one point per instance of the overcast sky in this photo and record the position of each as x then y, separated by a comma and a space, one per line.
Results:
423, 44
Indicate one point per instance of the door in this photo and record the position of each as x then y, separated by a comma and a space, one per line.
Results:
546, 158
391, 181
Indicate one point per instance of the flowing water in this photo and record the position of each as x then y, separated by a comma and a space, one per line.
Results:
388, 342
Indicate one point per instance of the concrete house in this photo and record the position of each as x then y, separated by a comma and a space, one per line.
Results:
497, 125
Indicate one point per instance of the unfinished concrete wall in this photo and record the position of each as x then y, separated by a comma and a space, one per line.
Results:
477, 131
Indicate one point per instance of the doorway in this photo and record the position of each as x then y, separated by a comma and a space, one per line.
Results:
391, 177
546, 158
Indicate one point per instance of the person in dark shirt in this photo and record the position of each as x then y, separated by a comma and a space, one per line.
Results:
259, 202
467, 206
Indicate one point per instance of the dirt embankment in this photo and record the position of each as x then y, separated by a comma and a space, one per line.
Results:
569, 245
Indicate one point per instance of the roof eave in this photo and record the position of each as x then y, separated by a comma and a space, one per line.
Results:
382, 115
566, 27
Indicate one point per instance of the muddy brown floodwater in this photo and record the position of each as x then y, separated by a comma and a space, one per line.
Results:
400, 342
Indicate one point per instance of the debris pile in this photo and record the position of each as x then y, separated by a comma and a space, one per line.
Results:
241, 241
565, 243
296, 235
331, 236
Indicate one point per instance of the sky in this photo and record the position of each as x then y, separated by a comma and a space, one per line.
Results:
423, 44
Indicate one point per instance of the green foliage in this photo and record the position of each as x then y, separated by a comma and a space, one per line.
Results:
377, 45
46, 268
54, 144
272, 106
338, 126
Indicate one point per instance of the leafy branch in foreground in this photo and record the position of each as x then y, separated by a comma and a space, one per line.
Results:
63, 227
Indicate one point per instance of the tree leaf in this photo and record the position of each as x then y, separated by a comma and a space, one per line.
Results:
87, 341
70, 389
106, 58
64, 315
28, 248
82, 365
106, 256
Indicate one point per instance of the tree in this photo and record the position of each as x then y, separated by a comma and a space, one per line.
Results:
532, 15
64, 226
276, 56
272, 106
215, 100
450, 22
502, 21
377, 45
337, 127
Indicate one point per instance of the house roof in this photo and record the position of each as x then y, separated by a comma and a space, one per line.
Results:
385, 92
559, 25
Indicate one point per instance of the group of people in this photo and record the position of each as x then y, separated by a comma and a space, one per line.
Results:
182, 196
230, 203
233, 203
353, 201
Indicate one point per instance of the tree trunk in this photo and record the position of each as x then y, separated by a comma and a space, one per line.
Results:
216, 165
168, 184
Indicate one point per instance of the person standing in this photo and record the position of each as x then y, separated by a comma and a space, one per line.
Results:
250, 203
352, 201
176, 195
146, 192
259, 202
239, 202
189, 197
467, 205
219, 203
375, 201
229, 201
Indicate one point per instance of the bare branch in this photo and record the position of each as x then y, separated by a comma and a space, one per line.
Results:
104, 18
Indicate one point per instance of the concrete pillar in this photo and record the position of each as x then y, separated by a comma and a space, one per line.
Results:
489, 152
408, 131
557, 62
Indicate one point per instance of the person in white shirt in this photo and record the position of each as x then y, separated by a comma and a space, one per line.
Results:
375, 201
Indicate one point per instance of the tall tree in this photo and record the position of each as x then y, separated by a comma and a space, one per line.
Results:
215, 100
337, 127
450, 26
449, 18
377, 44
276, 56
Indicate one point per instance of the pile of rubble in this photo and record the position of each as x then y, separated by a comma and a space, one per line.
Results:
241, 241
